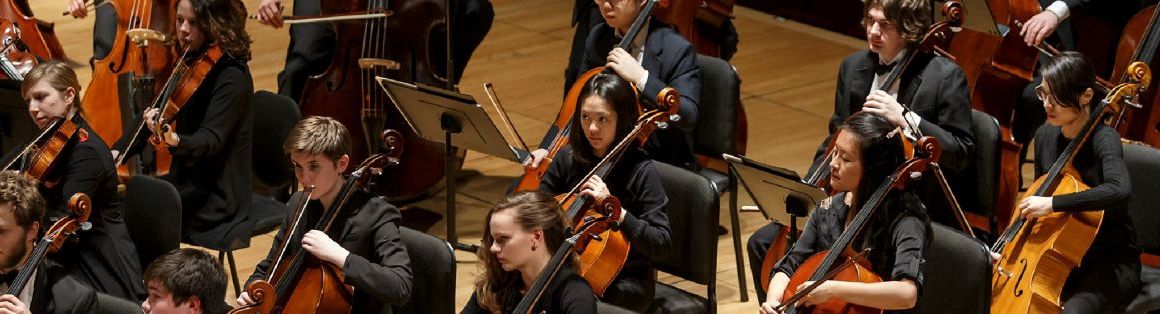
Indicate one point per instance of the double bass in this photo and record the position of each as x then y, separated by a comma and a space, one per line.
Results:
1138, 43
124, 80
36, 33
15, 57
397, 47
298, 282
1037, 255
821, 266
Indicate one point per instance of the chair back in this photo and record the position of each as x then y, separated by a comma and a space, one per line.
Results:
152, 211
433, 273
717, 130
956, 274
274, 116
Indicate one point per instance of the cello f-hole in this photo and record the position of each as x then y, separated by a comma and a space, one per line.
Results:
1019, 292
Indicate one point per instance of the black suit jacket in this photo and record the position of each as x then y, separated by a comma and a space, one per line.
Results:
56, 292
378, 266
934, 88
671, 61
1063, 31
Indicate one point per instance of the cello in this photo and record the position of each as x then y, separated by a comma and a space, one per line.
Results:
396, 47
557, 137
1037, 255
79, 206
140, 52
37, 34
300, 282
1138, 43
821, 266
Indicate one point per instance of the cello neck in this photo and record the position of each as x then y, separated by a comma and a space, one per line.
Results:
1150, 41
637, 24
30, 266
547, 275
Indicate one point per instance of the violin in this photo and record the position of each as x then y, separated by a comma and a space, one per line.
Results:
600, 262
1036, 255
42, 152
820, 267
605, 216
140, 53
300, 282
557, 137
179, 88
79, 206
37, 34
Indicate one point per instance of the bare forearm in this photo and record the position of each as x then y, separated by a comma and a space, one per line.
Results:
777, 286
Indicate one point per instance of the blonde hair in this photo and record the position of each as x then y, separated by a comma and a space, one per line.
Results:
58, 75
319, 135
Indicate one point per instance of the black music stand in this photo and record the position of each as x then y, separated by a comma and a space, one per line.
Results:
444, 116
773, 188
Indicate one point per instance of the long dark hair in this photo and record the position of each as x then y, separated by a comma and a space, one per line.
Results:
1069, 74
532, 210
224, 21
882, 153
616, 92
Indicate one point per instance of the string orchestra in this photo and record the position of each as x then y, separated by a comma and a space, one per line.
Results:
980, 156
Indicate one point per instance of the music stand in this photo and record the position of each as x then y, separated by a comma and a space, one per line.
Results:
773, 188
444, 116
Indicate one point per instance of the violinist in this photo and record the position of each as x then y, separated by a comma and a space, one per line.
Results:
605, 115
520, 235
934, 88
868, 151
104, 257
212, 138
185, 281
671, 62
1109, 273
364, 240
51, 289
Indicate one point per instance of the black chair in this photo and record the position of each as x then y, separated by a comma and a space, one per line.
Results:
980, 210
693, 217
433, 273
1144, 166
107, 304
152, 211
718, 133
274, 118
956, 274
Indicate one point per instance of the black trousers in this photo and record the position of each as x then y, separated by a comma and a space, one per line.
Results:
757, 247
104, 31
632, 292
1101, 287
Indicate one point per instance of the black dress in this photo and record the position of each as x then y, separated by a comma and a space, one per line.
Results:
103, 257
378, 266
901, 259
635, 182
1109, 274
569, 293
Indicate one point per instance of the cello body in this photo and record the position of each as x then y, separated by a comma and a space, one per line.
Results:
108, 110
1034, 268
348, 92
858, 272
601, 259
37, 34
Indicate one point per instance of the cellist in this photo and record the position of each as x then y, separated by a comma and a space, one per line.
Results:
869, 149
364, 240
50, 289
520, 234
211, 141
1109, 273
605, 114
104, 257
933, 87
658, 57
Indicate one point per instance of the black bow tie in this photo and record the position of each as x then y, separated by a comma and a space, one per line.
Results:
882, 69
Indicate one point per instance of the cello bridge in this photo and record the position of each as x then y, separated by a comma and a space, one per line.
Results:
372, 63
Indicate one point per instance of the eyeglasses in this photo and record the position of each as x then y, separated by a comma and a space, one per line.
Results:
1042, 93
610, 2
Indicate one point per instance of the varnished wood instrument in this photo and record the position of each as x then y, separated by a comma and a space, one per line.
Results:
79, 207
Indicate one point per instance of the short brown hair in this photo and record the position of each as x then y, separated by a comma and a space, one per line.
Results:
20, 191
190, 272
319, 135
913, 17
532, 210
58, 75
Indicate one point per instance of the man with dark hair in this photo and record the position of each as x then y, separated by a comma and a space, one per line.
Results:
49, 290
187, 281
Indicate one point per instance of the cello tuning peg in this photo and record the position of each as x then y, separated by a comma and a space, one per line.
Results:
662, 125
675, 117
86, 226
915, 175
595, 236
